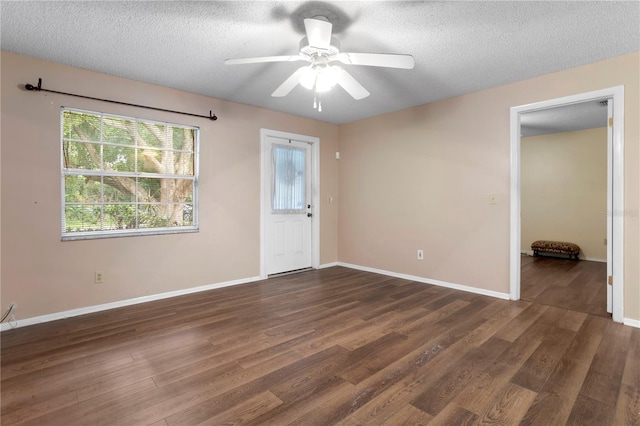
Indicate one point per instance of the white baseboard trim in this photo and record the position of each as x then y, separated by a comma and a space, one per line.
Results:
128, 302
631, 322
590, 259
461, 287
106, 306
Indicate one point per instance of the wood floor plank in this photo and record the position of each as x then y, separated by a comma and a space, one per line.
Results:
430, 360
245, 411
427, 358
572, 320
331, 346
304, 399
510, 406
439, 394
454, 415
535, 372
382, 325
31, 411
521, 322
576, 285
415, 299
587, 411
554, 401
605, 373
410, 372
207, 409
373, 357
409, 415
103, 409
486, 386
495, 322
628, 404
193, 390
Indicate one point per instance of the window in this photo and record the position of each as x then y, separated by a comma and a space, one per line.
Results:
126, 176
288, 190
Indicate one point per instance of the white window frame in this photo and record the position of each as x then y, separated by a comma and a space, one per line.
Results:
84, 235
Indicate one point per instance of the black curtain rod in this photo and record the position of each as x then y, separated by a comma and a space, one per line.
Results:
39, 88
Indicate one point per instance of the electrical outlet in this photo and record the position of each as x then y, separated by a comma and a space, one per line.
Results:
98, 278
420, 255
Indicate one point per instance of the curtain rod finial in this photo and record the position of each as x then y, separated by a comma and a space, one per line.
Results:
32, 87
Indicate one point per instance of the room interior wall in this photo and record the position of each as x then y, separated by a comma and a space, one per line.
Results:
44, 275
426, 177
421, 178
564, 190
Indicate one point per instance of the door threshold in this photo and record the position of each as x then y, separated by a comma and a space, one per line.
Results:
295, 271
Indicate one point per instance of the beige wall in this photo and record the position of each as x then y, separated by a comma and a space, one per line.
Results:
421, 179
44, 275
414, 179
564, 190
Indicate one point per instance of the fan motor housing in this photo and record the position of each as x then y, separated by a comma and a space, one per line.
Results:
306, 49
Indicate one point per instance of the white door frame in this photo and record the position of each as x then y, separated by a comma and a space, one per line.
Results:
265, 161
615, 195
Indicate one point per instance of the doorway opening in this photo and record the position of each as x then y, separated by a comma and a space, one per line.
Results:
289, 203
614, 218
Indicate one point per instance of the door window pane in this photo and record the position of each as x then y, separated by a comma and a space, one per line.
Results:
288, 194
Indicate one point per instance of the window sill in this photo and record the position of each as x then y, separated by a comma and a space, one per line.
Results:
128, 233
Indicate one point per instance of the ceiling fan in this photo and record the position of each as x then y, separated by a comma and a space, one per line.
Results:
320, 49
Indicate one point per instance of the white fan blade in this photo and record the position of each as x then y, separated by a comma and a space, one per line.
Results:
261, 59
289, 83
351, 85
318, 33
377, 60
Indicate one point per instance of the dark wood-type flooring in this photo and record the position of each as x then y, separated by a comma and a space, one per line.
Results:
326, 347
579, 285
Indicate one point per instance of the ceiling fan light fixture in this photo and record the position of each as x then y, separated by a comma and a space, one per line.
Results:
320, 49
320, 78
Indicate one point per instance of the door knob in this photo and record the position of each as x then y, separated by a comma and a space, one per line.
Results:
309, 214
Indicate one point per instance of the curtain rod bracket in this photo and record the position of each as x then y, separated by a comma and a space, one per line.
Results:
38, 88
32, 87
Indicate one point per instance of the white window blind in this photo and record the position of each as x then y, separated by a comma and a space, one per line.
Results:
126, 176
288, 194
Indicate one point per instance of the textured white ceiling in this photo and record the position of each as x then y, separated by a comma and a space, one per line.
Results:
568, 118
459, 47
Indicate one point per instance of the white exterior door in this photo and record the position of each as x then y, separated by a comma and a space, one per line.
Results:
287, 202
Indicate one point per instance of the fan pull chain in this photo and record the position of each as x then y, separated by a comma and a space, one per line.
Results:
315, 92
317, 101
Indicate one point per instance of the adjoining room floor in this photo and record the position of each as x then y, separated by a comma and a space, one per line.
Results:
579, 285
